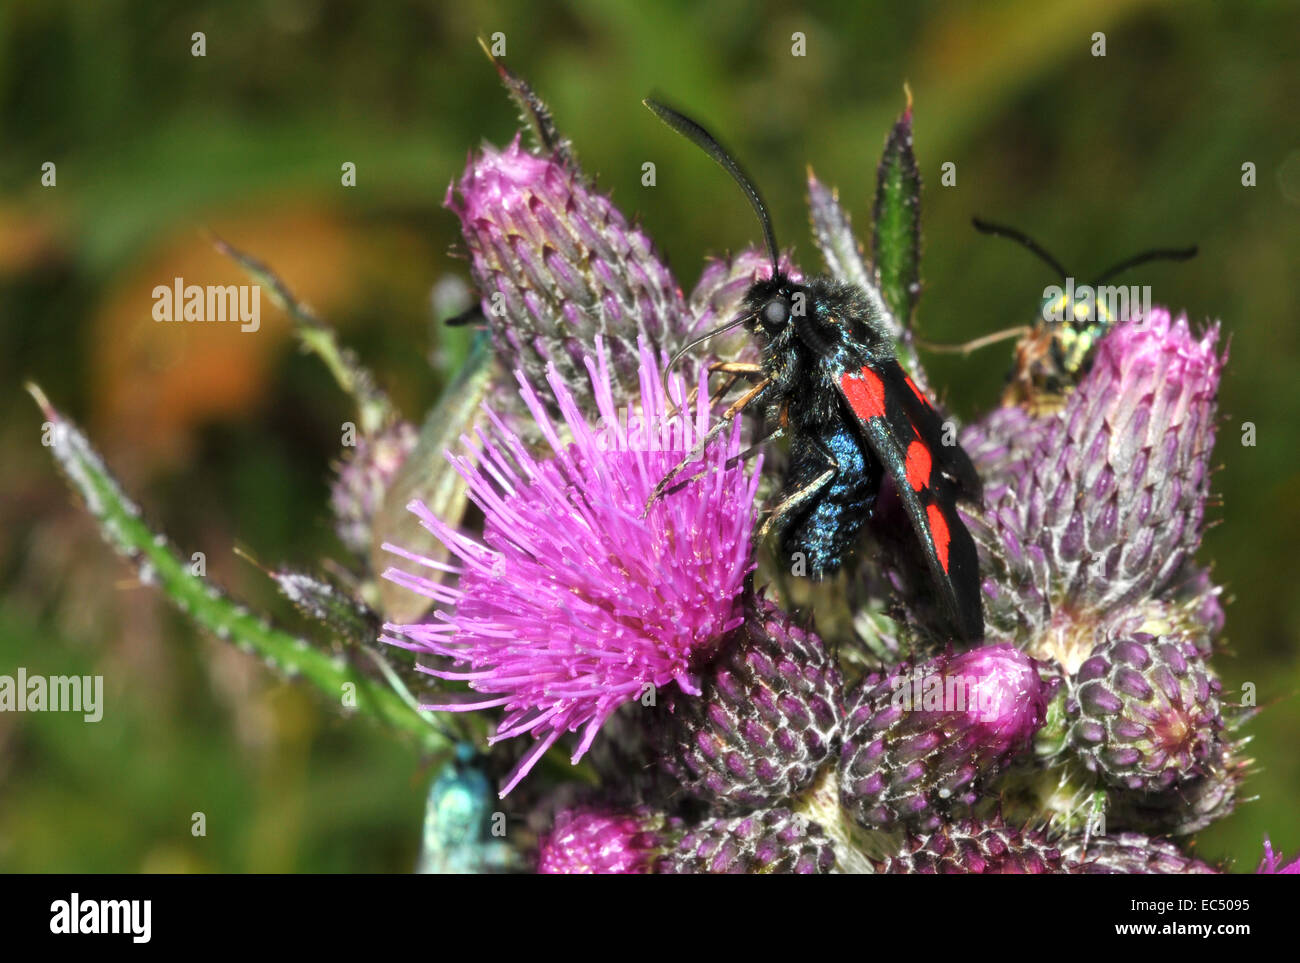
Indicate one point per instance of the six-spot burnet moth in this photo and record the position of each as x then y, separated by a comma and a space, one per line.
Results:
828, 379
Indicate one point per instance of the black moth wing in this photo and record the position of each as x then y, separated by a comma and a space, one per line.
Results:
951, 459
905, 434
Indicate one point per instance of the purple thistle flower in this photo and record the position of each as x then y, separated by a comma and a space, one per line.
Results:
364, 478
717, 299
1274, 864
1099, 506
766, 841
1193, 803
591, 839
557, 264
921, 740
588, 840
768, 718
971, 846
1130, 854
1133, 445
577, 601
1145, 712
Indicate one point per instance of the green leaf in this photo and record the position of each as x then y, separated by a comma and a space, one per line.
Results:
349, 620
896, 244
159, 563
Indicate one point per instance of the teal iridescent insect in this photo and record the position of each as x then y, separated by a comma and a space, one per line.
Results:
460, 820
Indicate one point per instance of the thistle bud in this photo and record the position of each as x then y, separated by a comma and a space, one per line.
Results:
590, 840
974, 846
767, 719
557, 264
1146, 713
771, 841
363, 479
1130, 853
923, 740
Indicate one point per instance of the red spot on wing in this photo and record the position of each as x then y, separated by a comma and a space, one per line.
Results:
918, 465
939, 532
865, 393
917, 391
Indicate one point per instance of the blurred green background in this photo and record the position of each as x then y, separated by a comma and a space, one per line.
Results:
227, 438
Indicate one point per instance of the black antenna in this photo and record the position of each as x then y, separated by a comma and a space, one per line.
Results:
672, 362
1158, 254
1011, 234
709, 144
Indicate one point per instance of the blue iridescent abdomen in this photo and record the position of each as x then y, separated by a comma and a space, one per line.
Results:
826, 528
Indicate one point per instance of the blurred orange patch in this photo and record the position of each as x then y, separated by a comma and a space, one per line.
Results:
156, 381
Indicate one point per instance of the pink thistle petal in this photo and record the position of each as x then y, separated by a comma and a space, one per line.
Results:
577, 599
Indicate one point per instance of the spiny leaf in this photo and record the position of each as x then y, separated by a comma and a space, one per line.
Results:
375, 411
158, 563
896, 245
352, 622
842, 252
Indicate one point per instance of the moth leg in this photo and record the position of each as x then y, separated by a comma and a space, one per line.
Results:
747, 399
797, 498
715, 398
734, 460
736, 367
735, 370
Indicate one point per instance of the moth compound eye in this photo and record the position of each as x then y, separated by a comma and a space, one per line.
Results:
775, 313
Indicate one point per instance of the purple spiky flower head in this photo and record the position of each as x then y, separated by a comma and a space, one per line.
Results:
767, 720
557, 264
1099, 506
364, 477
590, 840
596, 839
1275, 864
765, 841
970, 846
1129, 853
925, 738
1136, 440
578, 599
1145, 712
